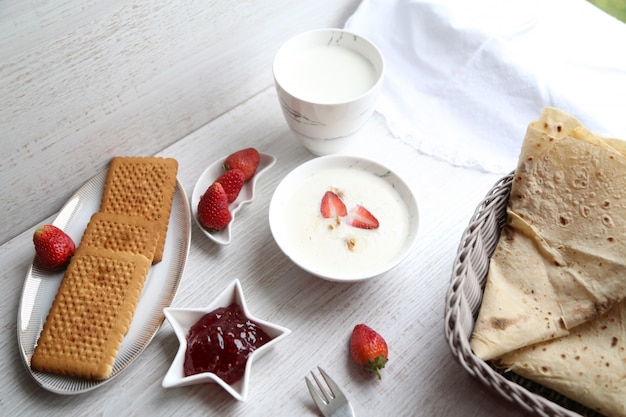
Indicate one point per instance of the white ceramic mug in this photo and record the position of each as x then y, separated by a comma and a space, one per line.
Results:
327, 81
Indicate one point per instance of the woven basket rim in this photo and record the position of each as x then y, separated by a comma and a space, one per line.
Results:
463, 300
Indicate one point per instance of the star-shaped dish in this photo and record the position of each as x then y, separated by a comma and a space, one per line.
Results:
182, 319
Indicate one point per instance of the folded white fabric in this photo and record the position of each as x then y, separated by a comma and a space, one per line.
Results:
464, 78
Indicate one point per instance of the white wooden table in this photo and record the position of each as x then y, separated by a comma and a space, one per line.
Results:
405, 305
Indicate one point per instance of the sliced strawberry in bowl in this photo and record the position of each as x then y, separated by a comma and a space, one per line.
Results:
361, 217
332, 206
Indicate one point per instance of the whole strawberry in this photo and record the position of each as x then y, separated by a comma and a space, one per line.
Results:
368, 349
247, 160
232, 181
213, 210
53, 247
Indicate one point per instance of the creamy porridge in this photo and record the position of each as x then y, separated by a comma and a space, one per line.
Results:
325, 246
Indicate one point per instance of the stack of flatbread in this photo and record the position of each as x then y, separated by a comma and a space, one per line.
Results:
554, 305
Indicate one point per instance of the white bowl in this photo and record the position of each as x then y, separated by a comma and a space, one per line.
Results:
246, 195
182, 319
307, 238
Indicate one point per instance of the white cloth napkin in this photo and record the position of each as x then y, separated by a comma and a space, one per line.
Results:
464, 78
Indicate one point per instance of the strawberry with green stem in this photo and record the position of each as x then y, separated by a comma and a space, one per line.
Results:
368, 349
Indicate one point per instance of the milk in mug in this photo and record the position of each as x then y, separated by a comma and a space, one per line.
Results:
327, 74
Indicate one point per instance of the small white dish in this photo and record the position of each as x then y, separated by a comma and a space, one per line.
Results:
224, 236
332, 249
182, 319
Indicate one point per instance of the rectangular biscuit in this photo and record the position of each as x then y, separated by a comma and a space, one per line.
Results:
142, 186
91, 313
120, 232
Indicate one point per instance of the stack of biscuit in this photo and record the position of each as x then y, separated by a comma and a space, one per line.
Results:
97, 298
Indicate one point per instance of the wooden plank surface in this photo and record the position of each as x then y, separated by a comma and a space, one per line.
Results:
406, 305
82, 81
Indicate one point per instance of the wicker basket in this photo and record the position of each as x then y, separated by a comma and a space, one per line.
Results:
463, 302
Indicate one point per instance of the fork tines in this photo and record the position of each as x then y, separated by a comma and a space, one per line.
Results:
327, 396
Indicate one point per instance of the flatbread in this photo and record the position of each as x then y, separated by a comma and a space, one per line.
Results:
588, 365
560, 258
554, 305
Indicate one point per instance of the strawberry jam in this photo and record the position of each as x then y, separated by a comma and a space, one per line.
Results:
221, 342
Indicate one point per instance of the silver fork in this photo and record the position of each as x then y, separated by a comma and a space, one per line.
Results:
330, 401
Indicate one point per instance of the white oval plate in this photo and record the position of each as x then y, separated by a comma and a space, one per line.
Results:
41, 285
246, 195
